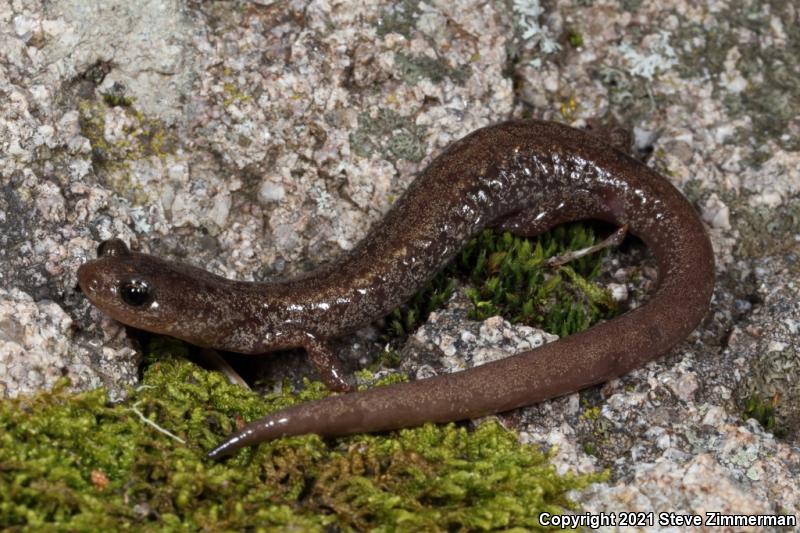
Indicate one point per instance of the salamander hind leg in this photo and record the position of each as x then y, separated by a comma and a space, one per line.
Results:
328, 365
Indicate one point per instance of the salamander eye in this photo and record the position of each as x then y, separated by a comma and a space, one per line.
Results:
136, 293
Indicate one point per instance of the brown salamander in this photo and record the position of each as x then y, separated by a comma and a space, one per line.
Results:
520, 176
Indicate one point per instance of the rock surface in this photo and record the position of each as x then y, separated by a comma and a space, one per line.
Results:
261, 138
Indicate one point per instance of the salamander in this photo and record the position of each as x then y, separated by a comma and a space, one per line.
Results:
522, 176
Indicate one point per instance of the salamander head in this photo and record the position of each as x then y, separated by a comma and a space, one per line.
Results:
148, 293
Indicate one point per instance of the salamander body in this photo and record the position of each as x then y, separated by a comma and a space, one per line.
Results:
520, 176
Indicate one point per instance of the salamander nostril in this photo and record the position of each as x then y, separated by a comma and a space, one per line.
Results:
112, 247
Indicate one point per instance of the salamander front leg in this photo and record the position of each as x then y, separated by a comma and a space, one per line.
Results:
328, 365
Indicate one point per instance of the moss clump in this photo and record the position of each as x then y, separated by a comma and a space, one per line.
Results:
574, 38
591, 413
388, 359
763, 412
75, 462
508, 276
117, 100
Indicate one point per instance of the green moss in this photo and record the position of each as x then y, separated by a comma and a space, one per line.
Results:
76, 462
574, 38
390, 134
113, 99
591, 413
508, 276
388, 359
762, 411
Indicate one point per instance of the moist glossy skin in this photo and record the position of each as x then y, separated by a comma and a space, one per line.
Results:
521, 176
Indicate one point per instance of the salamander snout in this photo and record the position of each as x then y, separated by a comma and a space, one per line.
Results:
96, 283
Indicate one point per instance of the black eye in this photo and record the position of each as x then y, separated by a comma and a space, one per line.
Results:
135, 293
